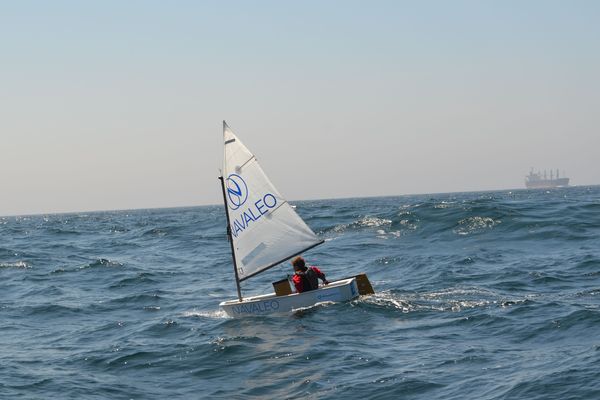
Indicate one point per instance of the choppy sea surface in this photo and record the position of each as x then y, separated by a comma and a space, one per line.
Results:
490, 295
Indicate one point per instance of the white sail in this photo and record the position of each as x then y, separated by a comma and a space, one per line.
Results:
265, 229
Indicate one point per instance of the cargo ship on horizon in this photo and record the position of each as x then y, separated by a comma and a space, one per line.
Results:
537, 180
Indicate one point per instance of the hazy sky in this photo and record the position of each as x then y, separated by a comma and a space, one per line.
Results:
118, 104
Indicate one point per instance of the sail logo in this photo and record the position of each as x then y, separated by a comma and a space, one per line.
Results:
237, 191
252, 214
257, 308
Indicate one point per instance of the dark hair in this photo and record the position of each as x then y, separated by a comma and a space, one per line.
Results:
299, 264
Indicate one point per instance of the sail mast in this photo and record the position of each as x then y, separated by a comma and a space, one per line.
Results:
237, 279
229, 238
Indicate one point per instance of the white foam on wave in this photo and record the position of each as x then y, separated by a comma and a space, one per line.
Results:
387, 299
382, 234
205, 314
18, 264
364, 222
373, 221
450, 292
453, 299
444, 204
475, 224
319, 304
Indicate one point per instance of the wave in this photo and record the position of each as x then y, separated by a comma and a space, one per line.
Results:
217, 314
382, 387
302, 311
102, 263
141, 278
138, 298
163, 230
51, 310
475, 224
16, 265
363, 222
588, 318
99, 263
447, 300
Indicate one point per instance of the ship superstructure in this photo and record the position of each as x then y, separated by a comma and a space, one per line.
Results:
539, 180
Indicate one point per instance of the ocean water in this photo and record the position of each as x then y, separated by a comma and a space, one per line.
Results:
491, 295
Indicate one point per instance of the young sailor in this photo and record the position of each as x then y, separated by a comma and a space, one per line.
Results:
306, 278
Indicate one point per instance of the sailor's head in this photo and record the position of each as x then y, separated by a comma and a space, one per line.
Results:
299, 264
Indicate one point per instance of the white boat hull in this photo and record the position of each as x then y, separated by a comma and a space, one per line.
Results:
338, 291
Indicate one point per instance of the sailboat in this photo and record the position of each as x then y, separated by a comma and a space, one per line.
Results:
264, 230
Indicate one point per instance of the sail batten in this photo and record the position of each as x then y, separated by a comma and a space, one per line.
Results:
262, 238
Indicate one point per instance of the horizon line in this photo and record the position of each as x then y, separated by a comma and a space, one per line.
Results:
294, 200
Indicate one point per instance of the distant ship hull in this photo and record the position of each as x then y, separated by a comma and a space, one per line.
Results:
546, 183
